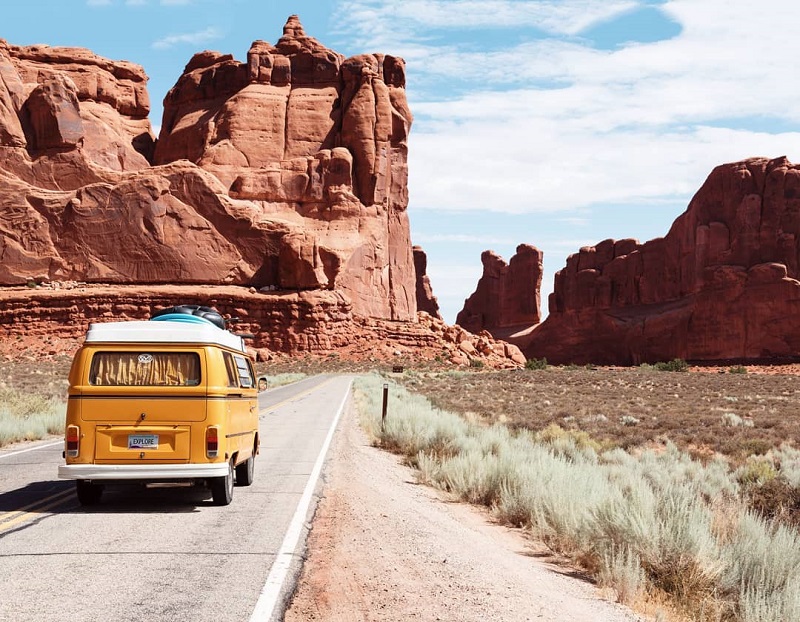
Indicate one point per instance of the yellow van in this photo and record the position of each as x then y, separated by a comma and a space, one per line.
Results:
171, 400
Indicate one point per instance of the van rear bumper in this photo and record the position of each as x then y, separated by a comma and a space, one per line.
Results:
142, 471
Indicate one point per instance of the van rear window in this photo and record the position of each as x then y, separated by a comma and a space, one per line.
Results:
145, 369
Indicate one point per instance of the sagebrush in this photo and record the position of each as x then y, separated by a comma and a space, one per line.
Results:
655, 522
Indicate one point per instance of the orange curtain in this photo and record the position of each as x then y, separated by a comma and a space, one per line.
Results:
145, 369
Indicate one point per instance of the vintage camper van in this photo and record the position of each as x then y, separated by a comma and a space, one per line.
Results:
171, 400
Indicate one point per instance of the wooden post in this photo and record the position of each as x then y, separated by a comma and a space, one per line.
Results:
385, 404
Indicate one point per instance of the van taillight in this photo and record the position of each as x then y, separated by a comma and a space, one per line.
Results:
212, 442
73, 437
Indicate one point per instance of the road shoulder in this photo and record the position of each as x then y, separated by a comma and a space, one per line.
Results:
383, 548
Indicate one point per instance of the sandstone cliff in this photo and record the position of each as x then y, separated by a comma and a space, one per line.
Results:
508, 294
426, 301
276, 191
286, 172
721, 285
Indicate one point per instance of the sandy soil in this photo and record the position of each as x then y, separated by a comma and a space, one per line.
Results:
383, 548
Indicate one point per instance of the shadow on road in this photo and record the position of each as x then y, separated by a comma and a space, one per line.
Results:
58, 497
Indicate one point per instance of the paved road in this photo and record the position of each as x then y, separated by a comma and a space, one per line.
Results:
165, 554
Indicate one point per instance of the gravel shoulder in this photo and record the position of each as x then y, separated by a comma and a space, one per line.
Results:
383, 548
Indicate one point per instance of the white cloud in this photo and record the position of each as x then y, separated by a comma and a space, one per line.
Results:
519, 166
554, 124
548, 123
380, 21
192, 38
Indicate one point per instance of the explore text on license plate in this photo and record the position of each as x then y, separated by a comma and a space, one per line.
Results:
143, 441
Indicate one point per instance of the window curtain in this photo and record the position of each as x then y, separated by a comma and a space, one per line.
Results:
145, 369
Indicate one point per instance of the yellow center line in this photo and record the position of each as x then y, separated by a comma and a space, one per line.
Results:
9, 519
295, 397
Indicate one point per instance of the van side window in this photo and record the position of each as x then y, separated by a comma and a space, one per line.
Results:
230, 367
245, 373
139, 369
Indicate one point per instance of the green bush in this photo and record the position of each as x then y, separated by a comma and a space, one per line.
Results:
536, 363
737, 369
673, 365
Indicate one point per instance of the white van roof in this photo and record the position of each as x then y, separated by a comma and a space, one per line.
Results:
162, 332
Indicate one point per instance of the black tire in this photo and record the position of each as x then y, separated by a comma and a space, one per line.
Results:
222, 487
245, 471
208, 313
88, 492
212, 316
187, 309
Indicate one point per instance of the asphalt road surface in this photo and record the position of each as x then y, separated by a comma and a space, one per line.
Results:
166, 554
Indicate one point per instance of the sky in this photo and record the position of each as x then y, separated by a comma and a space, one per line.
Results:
557, 123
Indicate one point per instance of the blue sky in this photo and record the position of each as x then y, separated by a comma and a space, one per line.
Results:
557, 123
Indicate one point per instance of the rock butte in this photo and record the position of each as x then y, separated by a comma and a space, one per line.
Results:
283, 177
722, 285
507, 299
426, 301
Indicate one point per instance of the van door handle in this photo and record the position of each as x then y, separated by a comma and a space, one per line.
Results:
236, 394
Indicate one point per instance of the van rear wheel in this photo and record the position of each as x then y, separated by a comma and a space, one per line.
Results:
245, 471
222, 487
88, 492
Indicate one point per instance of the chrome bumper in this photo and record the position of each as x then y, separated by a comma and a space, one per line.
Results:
142, 471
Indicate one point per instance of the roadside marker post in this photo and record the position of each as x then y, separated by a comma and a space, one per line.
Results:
385, 404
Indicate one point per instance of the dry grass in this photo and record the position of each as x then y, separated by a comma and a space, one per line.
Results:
650, 524
733, 414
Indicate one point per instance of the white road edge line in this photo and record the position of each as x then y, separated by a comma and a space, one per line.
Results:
270, 593
22, 451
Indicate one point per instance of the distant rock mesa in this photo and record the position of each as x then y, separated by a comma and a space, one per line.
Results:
721, 285
507, 297
426, 301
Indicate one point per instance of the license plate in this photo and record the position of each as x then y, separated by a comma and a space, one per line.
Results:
143, 441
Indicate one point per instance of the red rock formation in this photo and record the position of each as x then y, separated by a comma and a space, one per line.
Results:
287, 171
278, 195
507, 295
721, 285
52, 320
426, 301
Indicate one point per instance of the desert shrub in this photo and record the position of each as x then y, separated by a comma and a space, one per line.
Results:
673, 365
621, 569
536, 364
556, 436
787, 459
411, 425
761, 573
476, 363
737, 369
755, 446
732, 420
657, 520
756, 471
775, 499
29, 416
